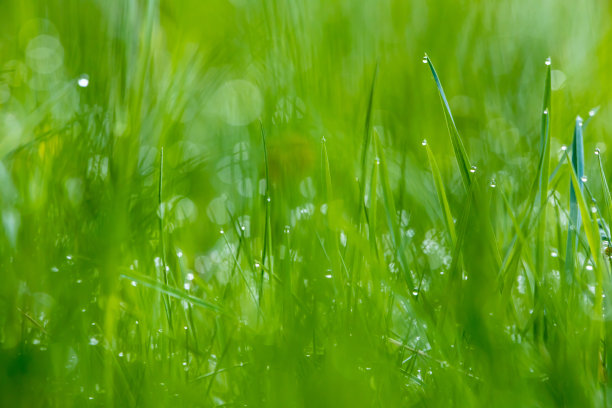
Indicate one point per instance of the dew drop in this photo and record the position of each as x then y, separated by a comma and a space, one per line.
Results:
583, 179
564, 148
328, 276
547, 61
425, 59
546, 111
133, 283
221, 232
554, 254
424, 142
589, 267
597, 151
473, 169
93, 341
83, 81
492, 184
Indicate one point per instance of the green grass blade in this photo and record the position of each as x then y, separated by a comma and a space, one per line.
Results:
460, 153
544, 175
577, 161
591, 228
440, 189
366, 143
391, 212
170, 291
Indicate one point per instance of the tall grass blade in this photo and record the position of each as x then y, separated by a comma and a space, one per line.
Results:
460, 154
440, 190
577, 161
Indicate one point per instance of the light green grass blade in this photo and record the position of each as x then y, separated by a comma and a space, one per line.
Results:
373, 206
366, 143
391, 212
541, 251
170, 291
440, 190
590, 226
577, 161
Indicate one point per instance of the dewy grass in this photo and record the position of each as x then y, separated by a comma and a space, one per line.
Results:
179, 184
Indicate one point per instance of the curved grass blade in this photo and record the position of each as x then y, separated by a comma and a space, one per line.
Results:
460, 154
170, 291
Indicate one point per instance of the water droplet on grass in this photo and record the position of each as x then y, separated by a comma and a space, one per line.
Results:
583, 179
493, 184
93, 341
563, 148
473, 169
425, 59
548, 61
589, 267
424, 142
554, 254
134, 283
83, 81
597, 151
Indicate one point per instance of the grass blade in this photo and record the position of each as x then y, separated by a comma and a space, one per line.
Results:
460, 154
170, 291
577, 161
440, 189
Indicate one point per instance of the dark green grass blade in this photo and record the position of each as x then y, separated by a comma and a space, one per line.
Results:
460, 153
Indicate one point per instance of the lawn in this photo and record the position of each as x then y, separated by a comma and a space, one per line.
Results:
305, 203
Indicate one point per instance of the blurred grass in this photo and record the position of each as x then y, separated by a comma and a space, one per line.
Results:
231, 270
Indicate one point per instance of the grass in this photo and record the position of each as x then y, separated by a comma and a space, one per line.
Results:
231, 203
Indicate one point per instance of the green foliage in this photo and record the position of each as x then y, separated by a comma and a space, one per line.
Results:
228, 203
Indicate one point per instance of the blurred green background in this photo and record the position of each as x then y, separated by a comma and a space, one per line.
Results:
154, 251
